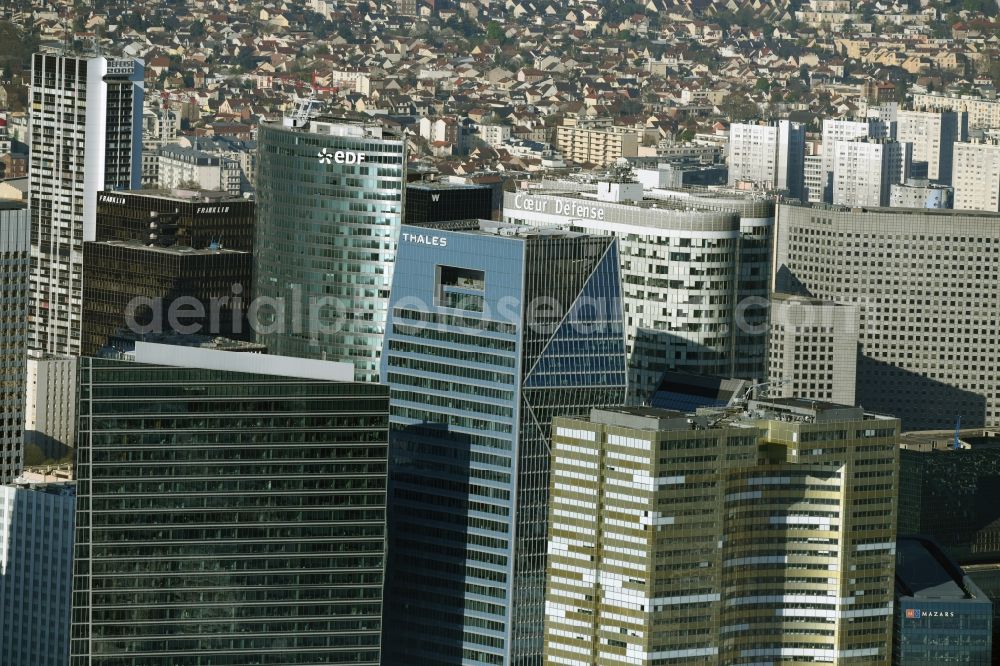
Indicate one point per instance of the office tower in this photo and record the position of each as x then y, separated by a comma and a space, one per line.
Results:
814, 179
941, 616
933, 135
493, 330
176, 217
919, 193
835, 131
36, 572
921, 280
50, 406
727, 536
633, 549
132, 289
865, 170
86, 136
436, 201
329, 206
952, 494
768, 156
693, 272
812, 349
231, 508
977, 176
15, 266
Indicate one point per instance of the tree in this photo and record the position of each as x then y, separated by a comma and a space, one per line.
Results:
738, 108
495, 32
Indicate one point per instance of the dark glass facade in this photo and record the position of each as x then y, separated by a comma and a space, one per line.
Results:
942, 617
227, 518
215, 285
193, 222
441, 202
493, 330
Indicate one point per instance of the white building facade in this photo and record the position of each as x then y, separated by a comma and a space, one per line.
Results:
866, 169
86, 136
768, 157
977, 176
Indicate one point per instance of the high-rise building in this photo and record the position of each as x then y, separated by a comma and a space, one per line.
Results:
15, 264
835, 131
920, 193
759, 534
493, 330
982, 113
132, 289
86, 136
36, 573
933, 135
768, 156
191, 218
439, 201
815, 181
50, 406
231, 509
941, 615
693, 271
329, 206
951, 492
977, 176
812, 349
928, 346
865, 170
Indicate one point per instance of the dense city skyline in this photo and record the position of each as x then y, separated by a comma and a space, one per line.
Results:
499, 333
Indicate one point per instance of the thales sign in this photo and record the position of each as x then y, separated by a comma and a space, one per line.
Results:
422, 239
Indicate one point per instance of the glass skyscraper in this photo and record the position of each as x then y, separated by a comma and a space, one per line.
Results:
493, 329
15, 266
941, 615
228, 517
329, 206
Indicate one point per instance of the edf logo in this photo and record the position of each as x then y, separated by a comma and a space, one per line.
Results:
340, 157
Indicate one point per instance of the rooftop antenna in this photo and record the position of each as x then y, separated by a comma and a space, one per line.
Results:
751, 389
958, 426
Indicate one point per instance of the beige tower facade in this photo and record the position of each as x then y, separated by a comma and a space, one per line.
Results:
764, 534
812, 349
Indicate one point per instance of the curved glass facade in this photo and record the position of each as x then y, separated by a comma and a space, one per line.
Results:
329, 206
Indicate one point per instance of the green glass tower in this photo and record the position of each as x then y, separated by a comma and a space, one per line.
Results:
329, 206
228, 516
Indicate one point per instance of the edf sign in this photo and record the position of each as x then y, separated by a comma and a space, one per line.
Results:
340, 157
